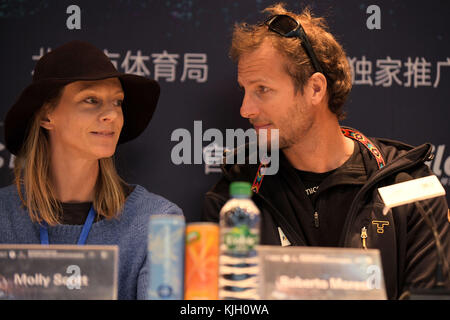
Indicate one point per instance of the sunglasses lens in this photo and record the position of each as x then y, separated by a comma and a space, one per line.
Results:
283, 24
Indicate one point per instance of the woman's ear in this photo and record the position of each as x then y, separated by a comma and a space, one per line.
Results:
46, 121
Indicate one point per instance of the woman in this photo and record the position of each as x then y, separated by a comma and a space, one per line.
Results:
64, 129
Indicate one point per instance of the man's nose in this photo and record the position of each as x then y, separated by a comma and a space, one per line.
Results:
249, 109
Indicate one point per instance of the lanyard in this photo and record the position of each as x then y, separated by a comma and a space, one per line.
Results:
350, 133
358, 136
84, 232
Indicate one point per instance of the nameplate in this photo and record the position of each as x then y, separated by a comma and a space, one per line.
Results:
58, 272
318, 273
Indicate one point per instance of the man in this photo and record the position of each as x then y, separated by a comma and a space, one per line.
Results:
296, 78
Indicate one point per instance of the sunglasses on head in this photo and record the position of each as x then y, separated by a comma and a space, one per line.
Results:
288, 27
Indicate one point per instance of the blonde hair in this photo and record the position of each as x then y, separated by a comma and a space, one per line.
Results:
32, 178
331, 55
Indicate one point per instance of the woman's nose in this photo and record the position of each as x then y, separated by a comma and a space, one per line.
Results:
111, 113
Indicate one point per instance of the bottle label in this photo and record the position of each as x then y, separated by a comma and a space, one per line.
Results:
240, 238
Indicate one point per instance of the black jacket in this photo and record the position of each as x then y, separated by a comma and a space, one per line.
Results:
404, 240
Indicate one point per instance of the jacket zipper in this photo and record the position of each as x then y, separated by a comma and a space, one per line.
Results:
354, 206
364, 237
316, 219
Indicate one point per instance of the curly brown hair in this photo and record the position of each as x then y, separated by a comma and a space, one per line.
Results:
331, 55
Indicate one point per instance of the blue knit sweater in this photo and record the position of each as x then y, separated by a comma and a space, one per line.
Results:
129, 232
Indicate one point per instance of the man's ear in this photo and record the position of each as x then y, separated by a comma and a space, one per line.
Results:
319, 87
46, 118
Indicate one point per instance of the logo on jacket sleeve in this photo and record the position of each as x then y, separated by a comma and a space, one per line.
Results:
380, 225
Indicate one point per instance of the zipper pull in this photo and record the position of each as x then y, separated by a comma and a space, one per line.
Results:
364, 237
316, 219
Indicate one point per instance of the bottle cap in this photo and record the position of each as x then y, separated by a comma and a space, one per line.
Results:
240, 188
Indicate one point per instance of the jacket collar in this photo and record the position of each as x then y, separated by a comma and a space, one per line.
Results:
395, 154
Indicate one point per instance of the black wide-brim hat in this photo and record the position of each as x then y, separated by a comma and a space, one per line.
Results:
79, 61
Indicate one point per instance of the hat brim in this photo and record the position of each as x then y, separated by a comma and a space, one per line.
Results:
141, 97
139, 105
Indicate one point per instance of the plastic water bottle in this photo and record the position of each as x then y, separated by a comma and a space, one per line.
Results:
239, 236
